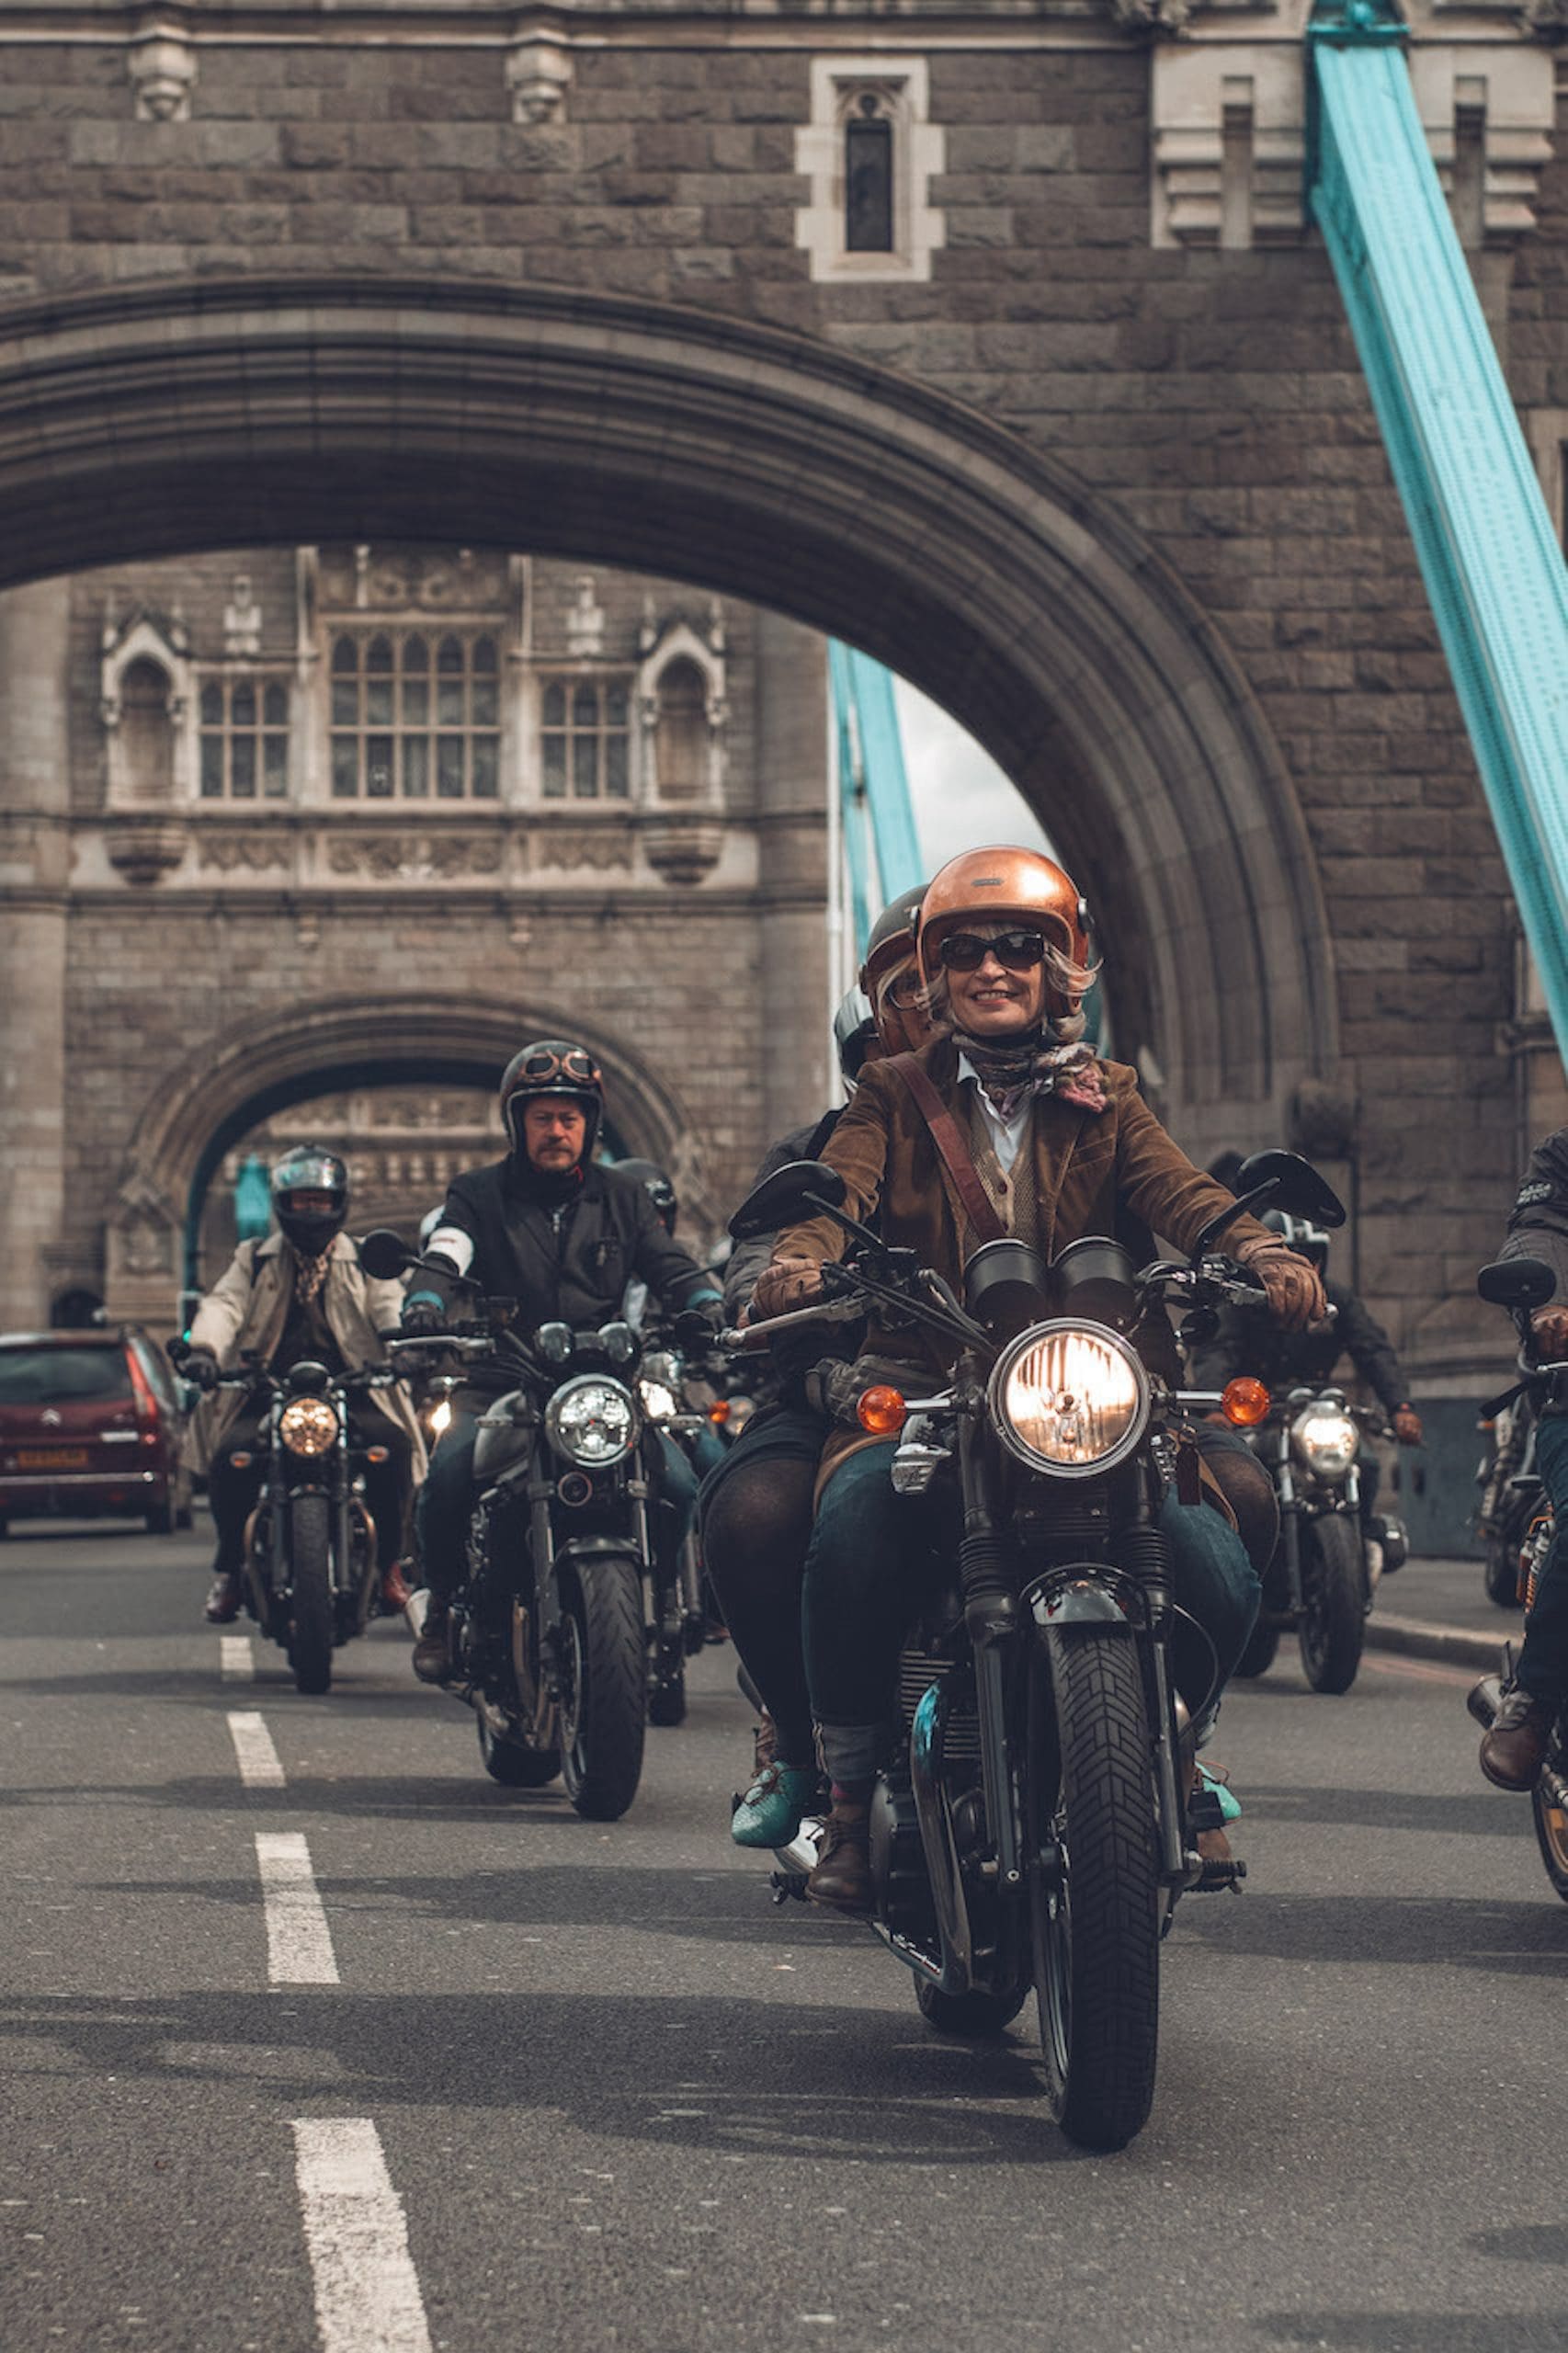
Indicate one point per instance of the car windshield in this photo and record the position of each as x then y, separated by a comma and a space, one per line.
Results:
61, 1376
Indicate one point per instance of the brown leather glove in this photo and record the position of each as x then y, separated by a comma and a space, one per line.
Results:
1293, 1284
1549, 1329
788, 1282
1407, 1426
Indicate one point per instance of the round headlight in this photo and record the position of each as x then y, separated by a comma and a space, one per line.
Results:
1070, 1398
591, 1422
1323, 1441
308, 1426
658, 1402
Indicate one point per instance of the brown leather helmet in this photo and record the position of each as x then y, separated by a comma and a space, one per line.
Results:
984, 885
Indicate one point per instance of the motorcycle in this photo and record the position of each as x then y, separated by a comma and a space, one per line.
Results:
1322, 1579
1511, 1501
311, 1571
567, 1636
1035, 1820
1519, 1285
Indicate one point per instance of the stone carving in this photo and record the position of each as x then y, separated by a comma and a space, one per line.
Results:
145, 853
593, 846
255, 853
162, 66
683, 851
585, 620
144, 1248
366, 579
414, 858
539, 74
241, 619
1169, 17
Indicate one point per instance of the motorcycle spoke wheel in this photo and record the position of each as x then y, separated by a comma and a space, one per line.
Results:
310, 1608
602, 1673
1095, 1889
1334, 1614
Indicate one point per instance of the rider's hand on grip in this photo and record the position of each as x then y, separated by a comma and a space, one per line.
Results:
1549, 1330
200, 1367
1293, 1284
422, 1316
787, 1283
1407, 1426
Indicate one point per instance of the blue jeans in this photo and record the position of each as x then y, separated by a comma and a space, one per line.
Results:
877, 1557
1543, 1661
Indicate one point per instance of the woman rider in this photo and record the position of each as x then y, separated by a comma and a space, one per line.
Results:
1059, 1142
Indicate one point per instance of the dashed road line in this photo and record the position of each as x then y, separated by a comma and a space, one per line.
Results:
261, 1768
367, 2290
299, 1943
236, 1658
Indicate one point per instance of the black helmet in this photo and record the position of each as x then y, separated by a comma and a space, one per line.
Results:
655, 1184
552, 1067
310, 1168
1298, 1234
892, 938
854, 1033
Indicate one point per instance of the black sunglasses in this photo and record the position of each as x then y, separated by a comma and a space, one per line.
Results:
1015, 951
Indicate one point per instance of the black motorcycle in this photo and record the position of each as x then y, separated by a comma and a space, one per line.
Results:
1520, 1285
311, 1571
1320, 1583
1511, 1500
559, 1632
1036, 1817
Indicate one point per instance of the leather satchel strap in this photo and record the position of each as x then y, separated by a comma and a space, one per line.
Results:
950, 1141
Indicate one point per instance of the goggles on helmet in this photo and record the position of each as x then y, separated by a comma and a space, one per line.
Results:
576, 1065
1015, 951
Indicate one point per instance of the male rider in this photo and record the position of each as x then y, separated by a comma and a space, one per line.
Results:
299, 1294
1515, 1748
562, 1235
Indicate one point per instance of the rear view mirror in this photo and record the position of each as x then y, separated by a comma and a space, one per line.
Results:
1295, 1186
791, 1192
384, 1254
1519, 1284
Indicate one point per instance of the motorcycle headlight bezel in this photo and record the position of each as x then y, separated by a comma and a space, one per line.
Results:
557, 1421
1120, 1352
1330, 1467
657, 1399
309, 1425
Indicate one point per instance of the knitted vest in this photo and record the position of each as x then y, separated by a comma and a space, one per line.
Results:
1012, 1197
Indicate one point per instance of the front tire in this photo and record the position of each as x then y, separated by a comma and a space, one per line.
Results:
512, 1763
310, 1607
603, 1695
1334, 1612
976, 2016
1094, 1887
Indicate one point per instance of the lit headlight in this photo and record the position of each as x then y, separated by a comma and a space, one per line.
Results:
658, 1403
308, 1426
1070, 1398
1323, 1441
591, 1422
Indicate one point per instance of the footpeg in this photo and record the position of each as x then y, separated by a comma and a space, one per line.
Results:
786, 1884
1216, 1876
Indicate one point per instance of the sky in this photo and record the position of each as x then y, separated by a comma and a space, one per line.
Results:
961, 797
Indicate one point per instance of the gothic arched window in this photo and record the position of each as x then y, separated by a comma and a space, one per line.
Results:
147, 731
681, 732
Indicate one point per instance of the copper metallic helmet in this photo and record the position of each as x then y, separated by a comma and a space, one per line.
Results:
991, 885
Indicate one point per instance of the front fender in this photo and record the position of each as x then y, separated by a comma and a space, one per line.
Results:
1082, 1600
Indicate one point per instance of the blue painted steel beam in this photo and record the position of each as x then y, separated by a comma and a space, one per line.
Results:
1488, 552
881, 850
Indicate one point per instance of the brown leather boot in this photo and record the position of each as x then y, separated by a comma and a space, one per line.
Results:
842, 1878
1513, 1750
223, 1598
432, 1652
395, 1594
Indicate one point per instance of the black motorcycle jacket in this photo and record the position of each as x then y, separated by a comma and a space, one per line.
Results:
1538, 1222
563, 1249
1248, 1341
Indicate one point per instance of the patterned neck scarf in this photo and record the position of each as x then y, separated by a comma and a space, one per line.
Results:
1034, 1066
309, 1274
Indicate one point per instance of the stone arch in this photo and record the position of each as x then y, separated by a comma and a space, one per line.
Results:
160, 419
284, 1056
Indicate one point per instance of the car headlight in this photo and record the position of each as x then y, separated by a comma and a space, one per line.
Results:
1323, 1441
591, 1422
658, 1402
1070, 1398
308, 1426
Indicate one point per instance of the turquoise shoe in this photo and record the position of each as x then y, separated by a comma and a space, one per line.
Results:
769, 1813
1229, 1806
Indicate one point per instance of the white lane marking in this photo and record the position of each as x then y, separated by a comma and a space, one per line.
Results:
238, 1659
367, 2290
299, 1944
261, 1768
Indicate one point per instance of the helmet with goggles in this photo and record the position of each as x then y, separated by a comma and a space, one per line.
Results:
552, 1067
1021, 890
310, 1168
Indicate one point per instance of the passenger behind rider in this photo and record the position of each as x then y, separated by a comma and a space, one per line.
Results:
756, 1506
1514, 1749
1059, 1142
562, 1235
299, 1293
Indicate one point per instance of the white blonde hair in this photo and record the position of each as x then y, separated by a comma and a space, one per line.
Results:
1061, 972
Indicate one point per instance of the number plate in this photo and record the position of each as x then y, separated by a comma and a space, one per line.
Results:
51, 1457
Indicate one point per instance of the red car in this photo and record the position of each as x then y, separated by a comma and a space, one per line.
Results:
90, 1426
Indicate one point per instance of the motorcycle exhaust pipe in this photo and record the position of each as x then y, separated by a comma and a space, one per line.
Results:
1485, 1700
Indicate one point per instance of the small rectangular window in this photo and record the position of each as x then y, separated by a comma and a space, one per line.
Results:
867, 187
244, 739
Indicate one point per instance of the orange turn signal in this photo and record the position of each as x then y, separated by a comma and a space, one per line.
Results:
377, 1453
881, 1410
719, 1411
241, 1462
1245, 1402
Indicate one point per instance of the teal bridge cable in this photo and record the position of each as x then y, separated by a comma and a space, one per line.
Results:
881, 846
1488, 552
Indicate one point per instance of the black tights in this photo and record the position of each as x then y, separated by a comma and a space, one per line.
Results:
757, 1523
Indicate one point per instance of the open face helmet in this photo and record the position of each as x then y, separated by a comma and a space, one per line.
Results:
310, 1168
854, 1034
552, 1067
1003, 885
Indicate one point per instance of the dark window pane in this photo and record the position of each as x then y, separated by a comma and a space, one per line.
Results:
555, 768
616, 702
345, 657
416, 653
486, 767
344, 704
242, 768
212, 704
617, 784
61, 1376
378, 767
213, 767
415, 702
586, 704
585, 767
485, 697
484, 653
377, 702
276, 755
275, 705
378, 654
868, 188
415, 766
449, 657
450, 767
448, 702
241, 704
556, 704
344, 767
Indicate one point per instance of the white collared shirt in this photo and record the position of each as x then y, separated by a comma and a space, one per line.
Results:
1007, 1135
